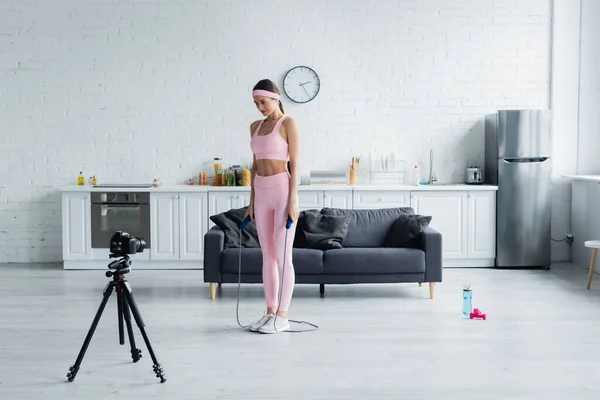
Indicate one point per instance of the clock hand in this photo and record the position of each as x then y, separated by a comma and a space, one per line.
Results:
306, 91
302, 84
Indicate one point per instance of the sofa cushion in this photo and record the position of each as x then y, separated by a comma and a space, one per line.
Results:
306, 261
406, 231
319, 231
230, 221
364, 261
368, 228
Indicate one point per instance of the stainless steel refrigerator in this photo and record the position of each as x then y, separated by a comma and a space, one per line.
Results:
518, 158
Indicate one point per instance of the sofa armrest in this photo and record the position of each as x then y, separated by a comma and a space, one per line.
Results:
214, 242
432, 245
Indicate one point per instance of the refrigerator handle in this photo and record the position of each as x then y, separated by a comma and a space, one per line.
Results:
525, 160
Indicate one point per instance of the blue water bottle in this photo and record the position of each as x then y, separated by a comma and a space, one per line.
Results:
467, 300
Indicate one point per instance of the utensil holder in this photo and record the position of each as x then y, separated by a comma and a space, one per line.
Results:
353, 176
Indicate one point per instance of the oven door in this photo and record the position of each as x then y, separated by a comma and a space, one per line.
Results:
110, 218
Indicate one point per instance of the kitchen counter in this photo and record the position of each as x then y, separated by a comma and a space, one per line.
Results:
302, 188
586, 178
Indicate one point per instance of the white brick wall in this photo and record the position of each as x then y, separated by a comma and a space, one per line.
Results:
134, 90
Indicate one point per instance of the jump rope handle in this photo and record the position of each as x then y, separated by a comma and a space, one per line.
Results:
245, 222
288, 224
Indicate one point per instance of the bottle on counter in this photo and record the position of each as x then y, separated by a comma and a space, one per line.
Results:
230, 177
80, 179
415, 176
94, 180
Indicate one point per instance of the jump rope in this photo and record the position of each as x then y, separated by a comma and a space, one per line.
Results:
288, 224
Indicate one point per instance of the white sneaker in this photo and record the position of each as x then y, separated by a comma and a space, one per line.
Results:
275, 325
259, 323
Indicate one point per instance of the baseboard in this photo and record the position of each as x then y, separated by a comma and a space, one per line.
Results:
468, 262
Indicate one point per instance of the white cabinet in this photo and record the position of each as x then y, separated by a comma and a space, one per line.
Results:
317, 199
368, 199
164, 226
193, 224
76, 226
220, 202
448, 210
309, 200
180, 219
338, 199
178, 222
481, 224
467, 222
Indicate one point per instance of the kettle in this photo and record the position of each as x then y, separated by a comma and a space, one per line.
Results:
473, 176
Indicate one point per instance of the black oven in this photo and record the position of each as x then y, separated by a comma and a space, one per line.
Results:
119, 211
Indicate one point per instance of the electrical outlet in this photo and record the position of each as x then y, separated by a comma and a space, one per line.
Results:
569, 237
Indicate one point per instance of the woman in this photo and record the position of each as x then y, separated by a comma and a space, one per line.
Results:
273, 197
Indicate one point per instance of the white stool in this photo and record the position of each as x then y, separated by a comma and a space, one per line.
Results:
595, 244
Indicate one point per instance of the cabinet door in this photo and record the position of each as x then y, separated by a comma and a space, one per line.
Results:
372, 199
481, 211
76, 226
338, 199
219, 202
310, 200
448, 210
164, 226
241, 199
193, 224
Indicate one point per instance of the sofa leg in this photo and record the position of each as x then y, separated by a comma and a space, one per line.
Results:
431, 289
220, 284
420, 284
322, 289
213, 290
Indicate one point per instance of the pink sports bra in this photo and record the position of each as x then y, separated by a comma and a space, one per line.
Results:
270, 146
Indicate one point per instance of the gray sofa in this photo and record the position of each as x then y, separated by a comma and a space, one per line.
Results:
362, 258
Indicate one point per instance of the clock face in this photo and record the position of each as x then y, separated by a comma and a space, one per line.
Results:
301, 84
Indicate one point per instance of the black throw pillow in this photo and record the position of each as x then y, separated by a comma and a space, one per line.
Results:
230, 222
406, 231
319, 231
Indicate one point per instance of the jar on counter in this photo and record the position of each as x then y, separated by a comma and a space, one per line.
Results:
237, 172
218, 164
202, 178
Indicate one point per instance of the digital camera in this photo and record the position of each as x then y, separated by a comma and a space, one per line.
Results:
122, 243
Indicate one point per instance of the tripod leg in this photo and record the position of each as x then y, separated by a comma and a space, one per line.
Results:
75, 368
136, 354
158, 369
120, 314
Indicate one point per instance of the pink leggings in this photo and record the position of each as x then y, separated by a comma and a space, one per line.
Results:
270, 211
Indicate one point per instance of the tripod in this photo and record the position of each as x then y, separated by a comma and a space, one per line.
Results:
125, 302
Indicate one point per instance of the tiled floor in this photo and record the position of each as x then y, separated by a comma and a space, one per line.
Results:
541, 341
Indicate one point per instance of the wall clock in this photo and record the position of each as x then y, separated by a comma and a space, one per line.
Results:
301, 84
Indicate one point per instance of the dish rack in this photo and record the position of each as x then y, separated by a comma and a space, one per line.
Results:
386, 172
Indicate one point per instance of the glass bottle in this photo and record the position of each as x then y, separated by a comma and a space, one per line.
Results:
80, 179
467, 307
230, 177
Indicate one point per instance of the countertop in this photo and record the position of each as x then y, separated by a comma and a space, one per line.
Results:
301, 188
587, 178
